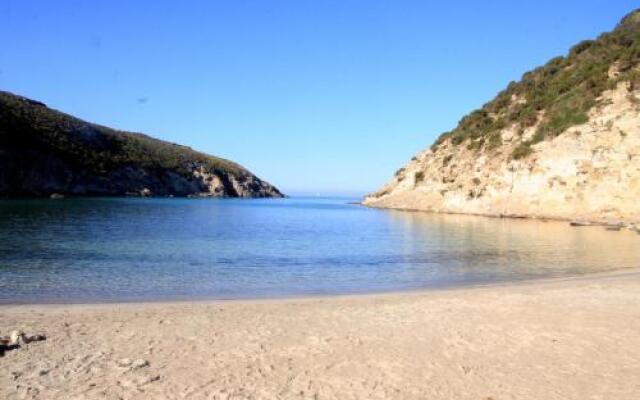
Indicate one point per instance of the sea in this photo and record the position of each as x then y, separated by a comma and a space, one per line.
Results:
87, 250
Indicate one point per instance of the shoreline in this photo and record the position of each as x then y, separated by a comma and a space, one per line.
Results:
631, 225
630, 271
559, 338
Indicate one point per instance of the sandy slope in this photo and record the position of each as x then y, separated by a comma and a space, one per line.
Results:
573, 339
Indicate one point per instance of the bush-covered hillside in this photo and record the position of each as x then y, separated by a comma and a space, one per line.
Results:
92, 159
557, 95
25, 121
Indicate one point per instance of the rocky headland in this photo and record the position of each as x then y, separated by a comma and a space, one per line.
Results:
562, 143
44, 152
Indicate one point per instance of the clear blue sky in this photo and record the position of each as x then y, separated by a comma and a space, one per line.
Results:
313, 96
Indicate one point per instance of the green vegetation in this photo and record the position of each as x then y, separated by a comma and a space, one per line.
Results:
522, 150
28, 124
418, 177
557, 95
447, 159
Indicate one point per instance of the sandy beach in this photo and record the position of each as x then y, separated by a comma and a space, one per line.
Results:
575, 338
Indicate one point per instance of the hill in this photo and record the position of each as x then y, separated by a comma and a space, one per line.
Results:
563, 142
44, 151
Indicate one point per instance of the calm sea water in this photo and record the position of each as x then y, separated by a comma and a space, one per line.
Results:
150, 249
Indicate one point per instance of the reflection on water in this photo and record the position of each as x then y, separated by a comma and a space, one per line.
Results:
139, 249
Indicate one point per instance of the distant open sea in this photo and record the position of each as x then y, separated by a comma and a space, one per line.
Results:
140, 249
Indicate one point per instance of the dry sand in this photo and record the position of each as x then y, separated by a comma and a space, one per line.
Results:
569, 339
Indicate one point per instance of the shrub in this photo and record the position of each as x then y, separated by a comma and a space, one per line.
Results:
565, 89
447, 159
522, 150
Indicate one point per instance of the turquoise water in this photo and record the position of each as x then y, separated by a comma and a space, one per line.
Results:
120, 249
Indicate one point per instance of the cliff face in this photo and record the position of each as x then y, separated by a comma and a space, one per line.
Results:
43, 151
507, 163
591, 172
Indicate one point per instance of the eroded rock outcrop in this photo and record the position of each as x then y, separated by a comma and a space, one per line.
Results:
589, 172
562, 143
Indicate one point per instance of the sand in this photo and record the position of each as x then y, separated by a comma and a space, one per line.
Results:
566, 339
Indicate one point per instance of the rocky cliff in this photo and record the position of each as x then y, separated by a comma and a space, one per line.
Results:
562, 143
43, 151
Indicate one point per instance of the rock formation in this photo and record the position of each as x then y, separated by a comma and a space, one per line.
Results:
563, 143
